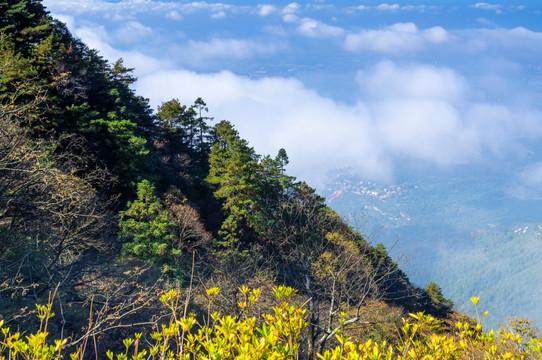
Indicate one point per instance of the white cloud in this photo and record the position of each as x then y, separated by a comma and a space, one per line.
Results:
486, 6
420, 8
407, 27
393, 8
75, 7
266, 10
126, 8
417, 112
218, 15
314, 28
433, 113
502, 129
291, 8
395, 39
96, 37
66, 19
389, 41
518, 39
386, 80
426, 129
436, 35
290, 18
199, 53
522, 34
132, 32
278, 112
174, 15
288, 12
387, 7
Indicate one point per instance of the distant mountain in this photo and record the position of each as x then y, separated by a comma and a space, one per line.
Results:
461, 229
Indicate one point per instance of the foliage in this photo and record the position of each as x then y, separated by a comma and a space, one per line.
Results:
148, 228
233, 169
437, 303
21, 89
186, 129
278, 337
220, 337
423, 337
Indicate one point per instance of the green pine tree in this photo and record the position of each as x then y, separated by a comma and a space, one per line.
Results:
148, 229
234, 172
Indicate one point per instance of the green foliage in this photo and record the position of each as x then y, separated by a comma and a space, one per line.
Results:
201, 128
437, 303
233, 170
148, 228
187, 127
22, 88
172, 115
421, 336
251, 189
116, 121
71, 90
26, 20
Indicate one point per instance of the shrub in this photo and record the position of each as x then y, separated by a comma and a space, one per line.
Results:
228, 337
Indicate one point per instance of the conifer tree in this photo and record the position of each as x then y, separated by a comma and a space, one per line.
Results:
233, 170
26, 21
171, 115
202, 144
147, 228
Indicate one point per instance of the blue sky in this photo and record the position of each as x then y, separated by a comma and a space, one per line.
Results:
351, 83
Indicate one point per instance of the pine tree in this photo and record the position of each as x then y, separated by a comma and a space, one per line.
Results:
234, 172
25, 20
171, 115
147, 228
202, 145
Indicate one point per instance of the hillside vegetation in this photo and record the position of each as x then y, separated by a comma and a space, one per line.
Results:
109, 211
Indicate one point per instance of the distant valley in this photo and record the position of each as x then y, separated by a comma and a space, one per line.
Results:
461, 229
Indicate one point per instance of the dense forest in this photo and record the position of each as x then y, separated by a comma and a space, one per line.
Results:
167, 229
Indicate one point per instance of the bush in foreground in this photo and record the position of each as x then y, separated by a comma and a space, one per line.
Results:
279, 336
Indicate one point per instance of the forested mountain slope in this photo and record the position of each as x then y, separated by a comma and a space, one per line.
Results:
107, 204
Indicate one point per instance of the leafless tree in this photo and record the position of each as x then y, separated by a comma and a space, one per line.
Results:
191, 233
